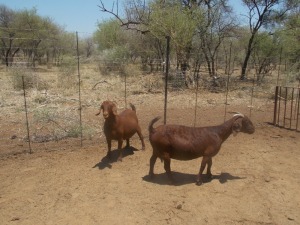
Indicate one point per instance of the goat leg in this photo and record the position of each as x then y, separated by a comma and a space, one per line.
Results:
202, 167
141, 137
108, 155
209, 164
127, 143
167, 163
152, 162
120, 142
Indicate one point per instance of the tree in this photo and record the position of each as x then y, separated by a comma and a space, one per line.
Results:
218, 25
24, 32
8, 34
181, 21
108, 35
265, 55
136, 15
201, 26
111, 40
177, 22
118, 42
290, 36
35, 31
263, 13
88, 46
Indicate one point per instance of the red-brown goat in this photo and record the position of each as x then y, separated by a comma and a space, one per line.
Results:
119, 126
187, 143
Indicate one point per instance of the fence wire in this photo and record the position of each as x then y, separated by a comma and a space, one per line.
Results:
52, 109
53, 106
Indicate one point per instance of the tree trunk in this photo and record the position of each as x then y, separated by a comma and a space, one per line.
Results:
247, 57
207, 61
213, 66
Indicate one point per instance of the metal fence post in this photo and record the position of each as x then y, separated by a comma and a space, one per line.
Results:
79, 89
166, 78
275, 105
26, 115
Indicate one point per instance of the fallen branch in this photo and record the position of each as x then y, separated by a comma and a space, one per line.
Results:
100, 82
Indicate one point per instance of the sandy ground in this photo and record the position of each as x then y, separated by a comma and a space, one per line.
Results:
256, 180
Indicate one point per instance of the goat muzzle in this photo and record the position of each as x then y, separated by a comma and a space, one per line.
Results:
105, 115
251, 130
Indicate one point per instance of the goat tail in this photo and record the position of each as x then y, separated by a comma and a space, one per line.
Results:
132, 107
150, 128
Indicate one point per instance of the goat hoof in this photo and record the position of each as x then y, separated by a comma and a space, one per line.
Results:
120, 159
198, 182
209, 176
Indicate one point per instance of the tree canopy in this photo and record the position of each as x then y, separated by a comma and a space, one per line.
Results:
201, 31
199, 28
30, 36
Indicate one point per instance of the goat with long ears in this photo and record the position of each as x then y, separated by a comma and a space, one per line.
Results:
119, 126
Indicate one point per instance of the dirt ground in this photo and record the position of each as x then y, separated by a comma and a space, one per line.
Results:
256, 179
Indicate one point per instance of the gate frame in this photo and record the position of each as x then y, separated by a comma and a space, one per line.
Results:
293, 107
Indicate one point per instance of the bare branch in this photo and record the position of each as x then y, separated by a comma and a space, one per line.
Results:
127, 23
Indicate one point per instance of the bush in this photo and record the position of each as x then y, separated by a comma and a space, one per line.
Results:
40, 99
113, 60
74, 131
31, 80
52, 124
67, 77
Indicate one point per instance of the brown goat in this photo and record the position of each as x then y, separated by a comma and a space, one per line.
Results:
187, 143
119, 126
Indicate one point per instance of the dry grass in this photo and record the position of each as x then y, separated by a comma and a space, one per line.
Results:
53, 105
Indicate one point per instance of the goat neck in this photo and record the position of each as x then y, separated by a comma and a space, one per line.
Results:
111, 119
225, 130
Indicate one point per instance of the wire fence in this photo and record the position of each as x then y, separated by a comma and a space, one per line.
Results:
287, 108
54, 106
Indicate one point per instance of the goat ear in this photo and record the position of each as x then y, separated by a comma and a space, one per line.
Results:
114, 110
236, 127
98, 113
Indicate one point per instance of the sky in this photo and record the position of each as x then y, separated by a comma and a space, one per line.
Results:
78, 15
74, 15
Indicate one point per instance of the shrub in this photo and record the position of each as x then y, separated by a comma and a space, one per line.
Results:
52, 124
40, 99
67, 77
31, 80
74, 131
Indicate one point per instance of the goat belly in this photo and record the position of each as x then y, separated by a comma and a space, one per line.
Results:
180, 155
182, 147
184, 154
129, 134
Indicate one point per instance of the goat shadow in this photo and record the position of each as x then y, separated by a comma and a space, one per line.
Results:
185, 178
105, 162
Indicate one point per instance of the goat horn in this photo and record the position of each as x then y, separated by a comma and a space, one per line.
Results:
238, 114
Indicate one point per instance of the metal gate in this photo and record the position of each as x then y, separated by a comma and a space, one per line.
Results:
286, 108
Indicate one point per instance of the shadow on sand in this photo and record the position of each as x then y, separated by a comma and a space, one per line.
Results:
184, 178
107, 163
